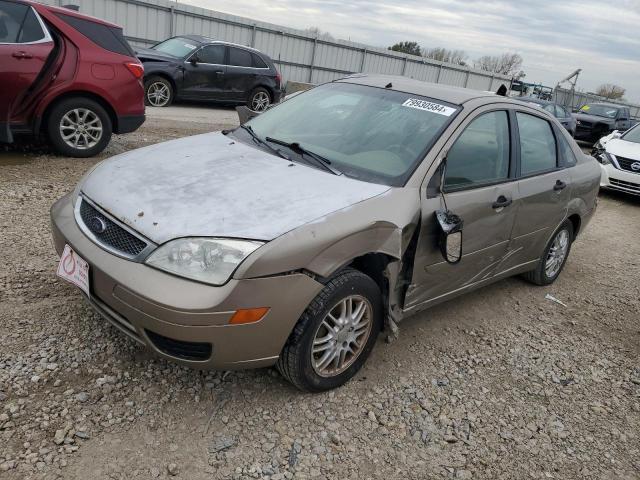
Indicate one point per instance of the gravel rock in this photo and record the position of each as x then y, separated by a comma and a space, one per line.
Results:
172, 468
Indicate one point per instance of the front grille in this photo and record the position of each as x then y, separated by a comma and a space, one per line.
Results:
179, 348
108, 232
635, 187
625, 164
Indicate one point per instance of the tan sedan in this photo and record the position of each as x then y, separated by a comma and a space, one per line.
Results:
296, 238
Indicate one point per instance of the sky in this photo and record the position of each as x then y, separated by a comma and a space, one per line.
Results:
554, 37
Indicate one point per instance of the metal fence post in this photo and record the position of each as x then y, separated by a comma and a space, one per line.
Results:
253, 36
491, 82
404, 66
313, 58
364, 57
439, 72
466, 79
171, 19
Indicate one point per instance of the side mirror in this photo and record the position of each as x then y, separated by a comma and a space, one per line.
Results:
450, 236
616, 134
193, 60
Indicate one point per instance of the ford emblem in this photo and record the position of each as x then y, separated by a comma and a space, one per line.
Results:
97, 225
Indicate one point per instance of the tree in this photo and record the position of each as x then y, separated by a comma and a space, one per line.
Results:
412, 48
506, 64
316, 32
610, 91
458, 57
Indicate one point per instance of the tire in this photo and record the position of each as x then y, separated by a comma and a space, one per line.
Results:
298, 364
158, 92
259, 99
541, 276
79, 117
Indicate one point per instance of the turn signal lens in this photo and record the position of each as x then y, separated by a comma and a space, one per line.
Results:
249, 315
136, 69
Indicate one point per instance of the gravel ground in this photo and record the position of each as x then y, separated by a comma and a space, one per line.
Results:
501, 383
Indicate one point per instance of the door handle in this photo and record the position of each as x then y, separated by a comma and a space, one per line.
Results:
559, 185
501, 202
21, 54
219, 72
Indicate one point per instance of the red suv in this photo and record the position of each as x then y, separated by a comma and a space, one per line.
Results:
69, 76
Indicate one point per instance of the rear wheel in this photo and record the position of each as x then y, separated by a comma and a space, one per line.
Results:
259, 99
335, 334
79, 127
554, 257
158, 92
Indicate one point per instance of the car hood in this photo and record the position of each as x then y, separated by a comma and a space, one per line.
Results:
210, 185
593, 118
622, 148
154, 55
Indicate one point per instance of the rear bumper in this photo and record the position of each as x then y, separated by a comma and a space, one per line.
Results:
620, 180
172, 315
129, 123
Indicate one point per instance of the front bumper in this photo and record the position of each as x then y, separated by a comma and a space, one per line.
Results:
180, 319
620, 180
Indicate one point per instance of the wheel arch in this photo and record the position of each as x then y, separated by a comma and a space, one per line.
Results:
78, 94
162, 74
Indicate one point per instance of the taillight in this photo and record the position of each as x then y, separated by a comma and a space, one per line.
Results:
136, 69
278, 78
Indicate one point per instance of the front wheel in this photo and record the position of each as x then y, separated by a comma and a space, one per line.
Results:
554, 257
79, 127
335, 334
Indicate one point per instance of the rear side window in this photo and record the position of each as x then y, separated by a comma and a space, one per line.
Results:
240, 58
568, 157
258, 62
19, 24
537, 144
109, 38
213, 54
481, 154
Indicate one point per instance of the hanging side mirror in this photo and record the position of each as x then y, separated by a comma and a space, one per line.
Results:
193, 60
450, 236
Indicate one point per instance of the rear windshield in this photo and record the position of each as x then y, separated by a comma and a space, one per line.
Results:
109, 38
176, 47
632, 135
369, 133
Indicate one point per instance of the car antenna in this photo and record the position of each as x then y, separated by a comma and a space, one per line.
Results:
388, 85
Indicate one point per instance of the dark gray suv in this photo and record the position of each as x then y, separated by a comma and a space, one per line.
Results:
192, 67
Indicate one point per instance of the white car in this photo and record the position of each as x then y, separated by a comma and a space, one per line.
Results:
619, 157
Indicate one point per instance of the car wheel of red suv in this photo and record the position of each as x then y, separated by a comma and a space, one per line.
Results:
79, 127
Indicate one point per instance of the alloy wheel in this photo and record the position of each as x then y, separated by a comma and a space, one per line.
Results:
341, 336
81, 128
557, 254
158, 94
260, 101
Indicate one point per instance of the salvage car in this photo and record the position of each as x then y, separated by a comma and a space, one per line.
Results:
561, 113
69, 77
295, 238
193, 67
619, 157
595, 120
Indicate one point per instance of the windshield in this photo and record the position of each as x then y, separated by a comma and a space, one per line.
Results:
632, 135
599, 110
369, 133
176, 47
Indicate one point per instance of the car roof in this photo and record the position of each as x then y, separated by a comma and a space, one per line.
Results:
201, 39
69, 12
447, 93
535, 100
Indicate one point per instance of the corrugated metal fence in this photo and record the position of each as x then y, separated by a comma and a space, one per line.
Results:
300, 56
577, 99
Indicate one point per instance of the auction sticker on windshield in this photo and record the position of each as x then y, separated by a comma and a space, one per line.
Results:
74, 269
429, 106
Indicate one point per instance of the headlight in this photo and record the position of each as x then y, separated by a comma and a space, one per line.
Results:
605, 158
208, 260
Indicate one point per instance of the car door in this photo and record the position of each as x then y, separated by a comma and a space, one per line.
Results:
204, 74
241, 74
478, 186
623, 121
25, 45
543, 188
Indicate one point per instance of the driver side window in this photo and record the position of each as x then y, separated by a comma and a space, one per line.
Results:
480, 155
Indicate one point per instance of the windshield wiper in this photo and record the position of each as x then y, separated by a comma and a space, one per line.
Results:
259, 141
299, 149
